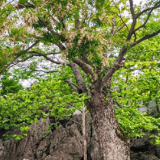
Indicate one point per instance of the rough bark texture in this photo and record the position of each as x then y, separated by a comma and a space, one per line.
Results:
112, 143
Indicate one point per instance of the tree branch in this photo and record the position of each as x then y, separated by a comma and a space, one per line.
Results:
86, 68
72, 85
38, 70
117, 64
18, 55
25, 59
113, 26
119, 15
77, 22
131, 8
143, 25
63, 22
119, 28
45, 56
82, 88
28, 5
26, 50
134, 20
56, 34
157, 5
61, 46
51, 53
31, 46
62, 38
31, 56
84, 58
144, 38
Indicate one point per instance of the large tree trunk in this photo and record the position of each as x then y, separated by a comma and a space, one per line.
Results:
113, 144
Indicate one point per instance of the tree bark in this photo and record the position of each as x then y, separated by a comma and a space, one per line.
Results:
112, 142
84, 132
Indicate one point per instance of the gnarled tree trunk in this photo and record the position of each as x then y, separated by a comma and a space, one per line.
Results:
113, 145
100, 105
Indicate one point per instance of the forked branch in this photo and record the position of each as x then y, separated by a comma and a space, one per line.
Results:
157, 5
86, 68
82, 88
145, 38
118, 63
144, 24
72, 85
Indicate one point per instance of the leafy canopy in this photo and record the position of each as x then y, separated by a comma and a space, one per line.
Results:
94, 35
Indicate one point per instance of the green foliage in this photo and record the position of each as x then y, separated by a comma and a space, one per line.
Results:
136, 124
51, 97
9, 85
135, 86
22, 2
99, 27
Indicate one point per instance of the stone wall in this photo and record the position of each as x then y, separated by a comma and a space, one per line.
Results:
65, 143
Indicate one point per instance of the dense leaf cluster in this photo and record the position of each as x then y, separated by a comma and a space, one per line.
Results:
48, 98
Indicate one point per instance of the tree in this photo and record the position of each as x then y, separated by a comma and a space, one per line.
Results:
92, 38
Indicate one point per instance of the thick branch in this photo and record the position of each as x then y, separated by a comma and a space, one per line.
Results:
107, 76
72, 85
131, 8
86, 68
79, 79
134, 20
61, 46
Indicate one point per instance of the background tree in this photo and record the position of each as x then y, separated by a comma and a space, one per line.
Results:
92, 38
9, 84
